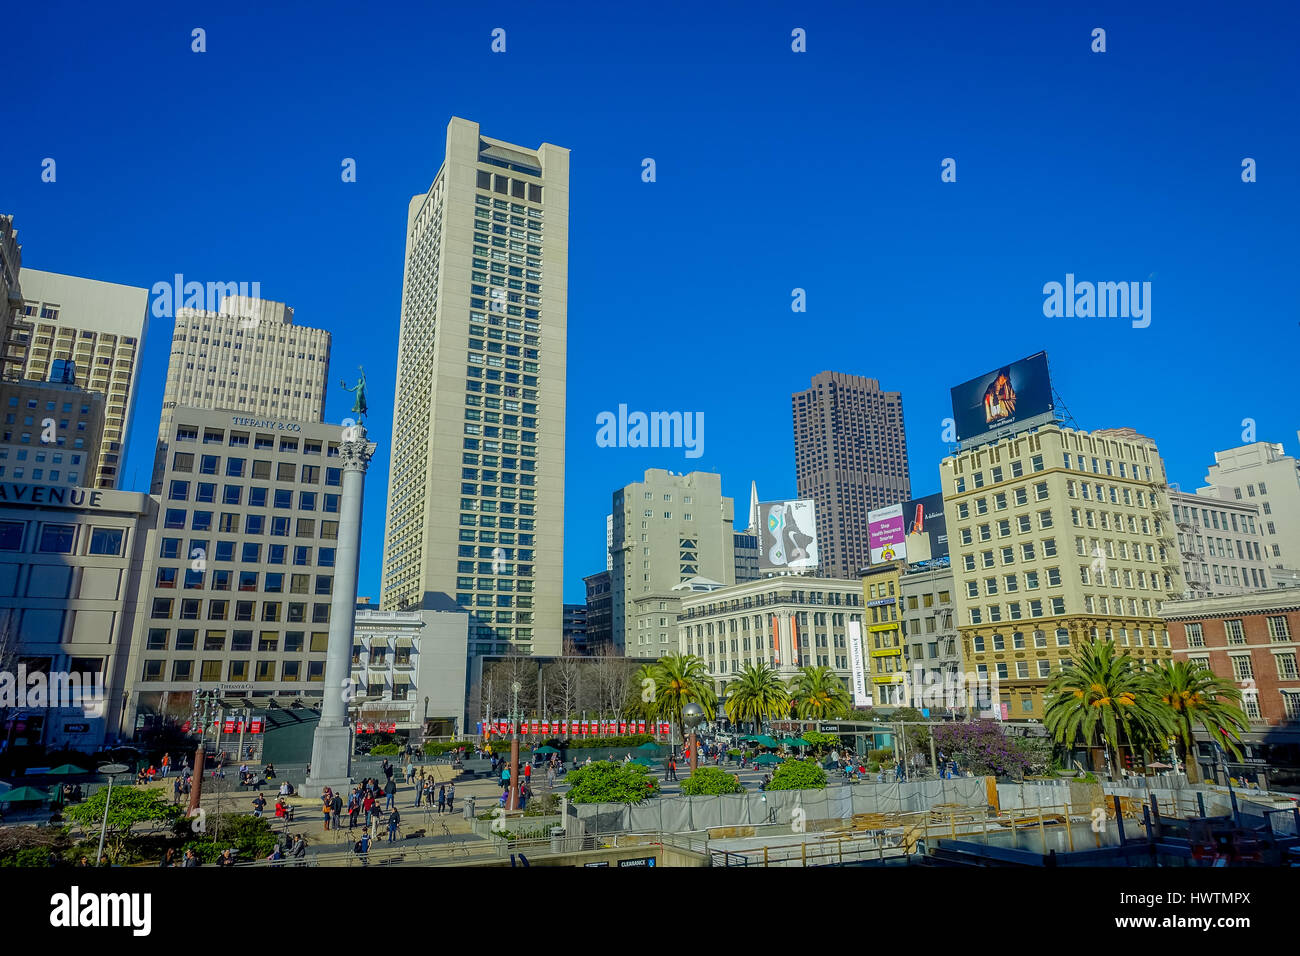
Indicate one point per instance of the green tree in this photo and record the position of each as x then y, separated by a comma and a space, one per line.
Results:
818, 694
756, 694
129, 806
680, 679
798, 775
607, 782
1198, 697
821, 743
711, 780
1102, 699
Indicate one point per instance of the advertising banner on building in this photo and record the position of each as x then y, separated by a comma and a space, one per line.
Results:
886, 535
1011, 394
788, 532
927, 529
858, 664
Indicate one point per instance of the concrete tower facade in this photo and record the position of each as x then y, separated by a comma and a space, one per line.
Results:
850, 451
476, 482
89, 332
247, 357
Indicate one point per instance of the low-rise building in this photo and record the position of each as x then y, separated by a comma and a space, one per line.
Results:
1250, 640
51, 433
788, 622
1220, 543
70, 561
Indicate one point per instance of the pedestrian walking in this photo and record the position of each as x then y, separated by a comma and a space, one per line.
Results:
354, 807
166, 764
390, 791
394, 819
442, 799
451, 797
336, 808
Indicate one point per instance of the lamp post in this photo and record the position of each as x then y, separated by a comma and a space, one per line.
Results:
692, 715
111, 770
514, 745
205, 703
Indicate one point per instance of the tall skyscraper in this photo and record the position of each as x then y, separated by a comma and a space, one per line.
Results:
247, 357
850, 452
668, 529
88, 333
476, 480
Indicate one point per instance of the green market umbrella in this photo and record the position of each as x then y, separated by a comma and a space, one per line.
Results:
796, 742
23, 795
546, 750
763, 740
769, 759
642, 761
65, 770
648, 747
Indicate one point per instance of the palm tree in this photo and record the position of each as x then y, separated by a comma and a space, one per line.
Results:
818, 694
644, 697
1197, 696
756, 694
680, 679
1103, 699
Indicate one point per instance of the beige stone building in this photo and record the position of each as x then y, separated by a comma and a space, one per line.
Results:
1058, 537
247, 357
788, 622
476, 479
89, 332
70, 575
240, 572
51, 433
667, 529
1221, 545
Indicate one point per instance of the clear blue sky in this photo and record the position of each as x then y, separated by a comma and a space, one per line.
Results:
776, 170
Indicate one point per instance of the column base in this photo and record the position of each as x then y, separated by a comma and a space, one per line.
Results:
331, 762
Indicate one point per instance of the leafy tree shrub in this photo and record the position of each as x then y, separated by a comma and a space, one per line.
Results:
381, 750
607, 782
885, 755
710, 780
981, 747
251, 836
130, 805
821, 743
798, 775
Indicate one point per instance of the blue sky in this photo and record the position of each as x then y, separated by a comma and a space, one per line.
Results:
775, 171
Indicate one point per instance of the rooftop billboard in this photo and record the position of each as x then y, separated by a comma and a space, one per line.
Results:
789, 535
1011, 394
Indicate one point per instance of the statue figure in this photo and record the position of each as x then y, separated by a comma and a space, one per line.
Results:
359, 406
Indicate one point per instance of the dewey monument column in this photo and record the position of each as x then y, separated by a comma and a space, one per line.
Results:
331, 752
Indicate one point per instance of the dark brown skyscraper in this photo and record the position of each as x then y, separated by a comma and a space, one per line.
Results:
850, 456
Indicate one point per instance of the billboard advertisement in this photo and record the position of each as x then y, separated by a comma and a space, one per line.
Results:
789, 535
1013, 393
860, 696
927, 529
886, 534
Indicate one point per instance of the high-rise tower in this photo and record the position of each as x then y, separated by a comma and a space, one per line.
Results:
850, 452
476, 480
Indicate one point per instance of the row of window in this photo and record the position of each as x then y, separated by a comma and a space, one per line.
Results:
1279, 630
247, 581
260, 441
229, 522
190, 609
286, 471
52, 538
212, 671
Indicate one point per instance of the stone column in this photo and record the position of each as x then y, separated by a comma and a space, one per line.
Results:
331, 752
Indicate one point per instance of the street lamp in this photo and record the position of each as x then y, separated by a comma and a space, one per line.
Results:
692, 715
515, 687
110, 770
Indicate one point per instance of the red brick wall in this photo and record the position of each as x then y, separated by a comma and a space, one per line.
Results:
1258, 643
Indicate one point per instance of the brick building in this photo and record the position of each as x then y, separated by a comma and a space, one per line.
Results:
1250, 639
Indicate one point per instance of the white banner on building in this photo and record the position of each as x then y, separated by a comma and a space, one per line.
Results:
860, 696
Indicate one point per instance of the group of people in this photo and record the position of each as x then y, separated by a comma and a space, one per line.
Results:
433, 793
